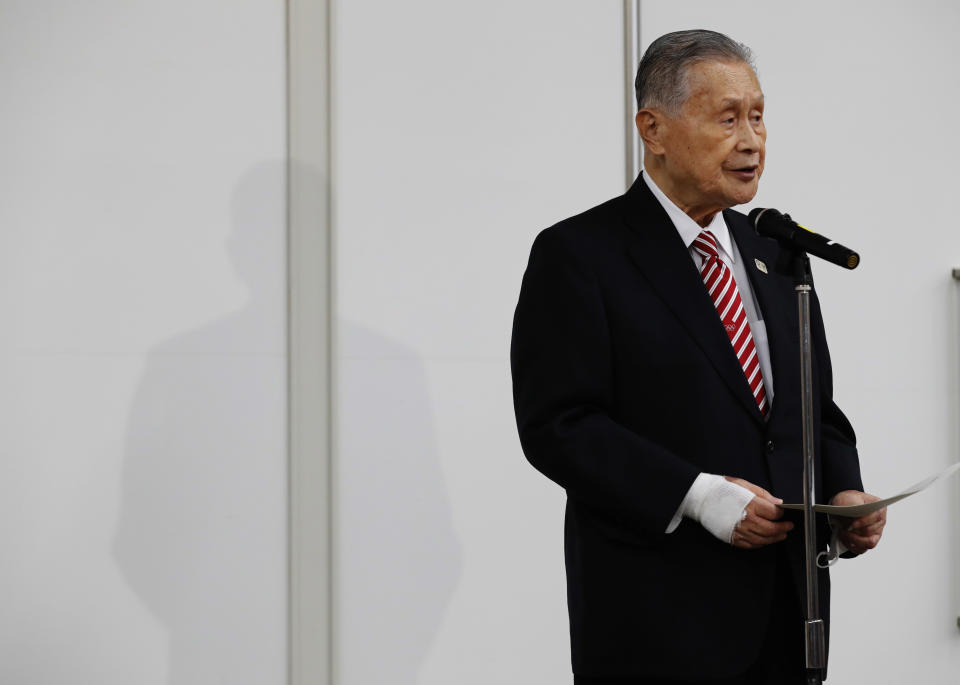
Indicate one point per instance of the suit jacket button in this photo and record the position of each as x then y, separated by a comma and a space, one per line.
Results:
770, 447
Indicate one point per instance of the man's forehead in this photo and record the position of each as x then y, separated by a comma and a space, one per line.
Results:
725, 83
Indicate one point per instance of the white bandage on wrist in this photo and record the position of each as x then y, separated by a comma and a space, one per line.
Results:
718, 504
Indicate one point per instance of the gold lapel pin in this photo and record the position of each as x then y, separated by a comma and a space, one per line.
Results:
760, 265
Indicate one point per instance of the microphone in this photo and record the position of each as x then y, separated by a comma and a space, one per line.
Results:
790, 234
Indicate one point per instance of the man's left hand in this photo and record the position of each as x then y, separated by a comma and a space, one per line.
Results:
864, 533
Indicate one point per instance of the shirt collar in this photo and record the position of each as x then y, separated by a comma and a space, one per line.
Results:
687, 227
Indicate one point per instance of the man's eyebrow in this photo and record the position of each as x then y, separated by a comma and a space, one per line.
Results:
727, 103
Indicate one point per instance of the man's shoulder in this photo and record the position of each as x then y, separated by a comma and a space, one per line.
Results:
597, 229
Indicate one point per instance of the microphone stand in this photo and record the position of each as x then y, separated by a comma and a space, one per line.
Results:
814, 638
795, 242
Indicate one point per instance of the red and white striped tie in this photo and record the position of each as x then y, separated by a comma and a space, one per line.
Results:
722, 288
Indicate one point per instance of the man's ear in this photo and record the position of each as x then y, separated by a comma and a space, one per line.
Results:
650, 125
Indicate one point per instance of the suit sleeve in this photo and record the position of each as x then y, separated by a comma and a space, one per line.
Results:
838, 442
563, 379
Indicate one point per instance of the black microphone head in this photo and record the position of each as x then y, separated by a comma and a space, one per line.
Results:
770, 223
766, 214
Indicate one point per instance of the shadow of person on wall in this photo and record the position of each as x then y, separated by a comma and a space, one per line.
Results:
398, 558
201, 537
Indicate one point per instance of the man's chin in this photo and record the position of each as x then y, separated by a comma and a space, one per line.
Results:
741, 196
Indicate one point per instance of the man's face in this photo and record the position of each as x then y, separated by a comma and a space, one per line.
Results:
713, 151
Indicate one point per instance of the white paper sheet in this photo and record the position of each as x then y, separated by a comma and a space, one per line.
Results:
858, 510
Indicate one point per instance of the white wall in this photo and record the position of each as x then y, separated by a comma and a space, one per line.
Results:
142, 473
862, 104
461, 130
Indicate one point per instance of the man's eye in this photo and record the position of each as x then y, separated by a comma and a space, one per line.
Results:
729, 120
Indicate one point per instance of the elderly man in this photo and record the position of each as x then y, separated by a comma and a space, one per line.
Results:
655, 365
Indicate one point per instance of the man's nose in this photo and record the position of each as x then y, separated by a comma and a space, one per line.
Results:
749, 138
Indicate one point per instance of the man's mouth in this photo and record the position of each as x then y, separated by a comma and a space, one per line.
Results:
745, 173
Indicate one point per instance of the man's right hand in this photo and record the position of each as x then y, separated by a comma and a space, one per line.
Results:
761, 526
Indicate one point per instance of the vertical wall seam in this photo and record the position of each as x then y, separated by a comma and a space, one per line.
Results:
288, 331
309, 344
332, 674
631, 57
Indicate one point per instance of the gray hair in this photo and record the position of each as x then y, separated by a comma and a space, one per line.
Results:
662, 74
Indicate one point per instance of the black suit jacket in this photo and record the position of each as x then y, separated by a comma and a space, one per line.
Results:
626, 387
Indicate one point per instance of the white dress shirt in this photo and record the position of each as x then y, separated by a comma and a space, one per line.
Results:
712, 500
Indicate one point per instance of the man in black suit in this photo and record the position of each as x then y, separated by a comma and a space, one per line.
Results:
655, 365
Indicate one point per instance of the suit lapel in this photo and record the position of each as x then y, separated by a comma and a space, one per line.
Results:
656, 248
775, 297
